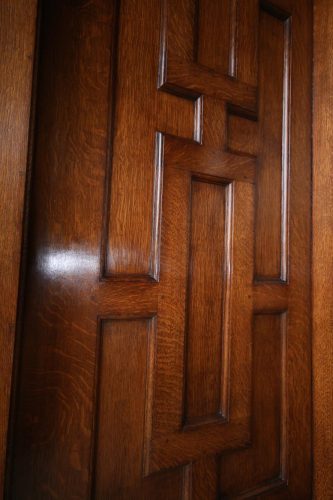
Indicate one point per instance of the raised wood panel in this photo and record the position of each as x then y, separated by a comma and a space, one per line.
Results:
129, 251
177, 116
184, 34
166, 348
179, 68
221, 164
173, 443
219, 36
131, 218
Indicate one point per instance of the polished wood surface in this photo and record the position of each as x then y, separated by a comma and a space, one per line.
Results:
322, 271
17, 41
166, 349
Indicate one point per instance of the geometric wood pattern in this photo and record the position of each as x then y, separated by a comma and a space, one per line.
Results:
167, 301
175, 439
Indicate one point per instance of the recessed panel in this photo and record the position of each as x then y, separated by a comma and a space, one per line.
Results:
125, 359
263, 466
204, 336
242, 135
216, 26
273, 160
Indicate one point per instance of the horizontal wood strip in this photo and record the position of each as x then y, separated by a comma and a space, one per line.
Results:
201, 80
213, 162
125, 298
270, 297
176, 449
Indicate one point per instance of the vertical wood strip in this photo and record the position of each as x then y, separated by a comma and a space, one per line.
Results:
247, 41
263, 467
216, 27
205, 302
273, 167
17, 40
322, 271
124, 348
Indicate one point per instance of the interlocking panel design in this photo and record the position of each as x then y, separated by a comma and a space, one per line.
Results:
132, 183
194, 55
242, 133
175, 439
186, 334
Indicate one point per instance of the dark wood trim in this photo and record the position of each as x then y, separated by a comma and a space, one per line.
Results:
17, 41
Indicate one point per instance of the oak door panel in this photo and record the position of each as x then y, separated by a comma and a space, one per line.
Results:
165, 347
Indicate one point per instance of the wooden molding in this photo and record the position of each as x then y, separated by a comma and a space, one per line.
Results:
323, 249
17, 40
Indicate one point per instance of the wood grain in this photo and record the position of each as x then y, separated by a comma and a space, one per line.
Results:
247, 41
153, 362
262, 464
271, 217
322, 271
243, 135
55, 406
132, 222
17, 41
205, 332
125, 344
216, 24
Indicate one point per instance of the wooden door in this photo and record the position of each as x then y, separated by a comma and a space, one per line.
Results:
165, 347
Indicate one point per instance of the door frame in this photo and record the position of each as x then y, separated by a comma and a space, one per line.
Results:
322, 261
17, 47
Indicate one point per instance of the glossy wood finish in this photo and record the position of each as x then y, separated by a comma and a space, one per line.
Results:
323, 250
266, 458
17, 41
204, 329
126, 346
166, 348
273, 157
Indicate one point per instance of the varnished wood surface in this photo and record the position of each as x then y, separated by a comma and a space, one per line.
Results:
166, 349
17, 40
322, 270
